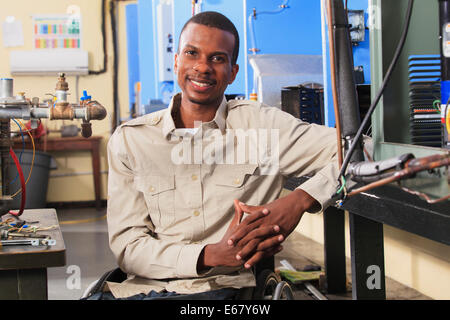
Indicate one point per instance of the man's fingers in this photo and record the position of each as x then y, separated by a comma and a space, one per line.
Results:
249, 248
255, 215
259, 255
261, 232
258, 245
248, 208
252, 209
238, 213
272, 242
247, 225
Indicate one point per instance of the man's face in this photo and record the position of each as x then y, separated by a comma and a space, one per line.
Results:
203, 64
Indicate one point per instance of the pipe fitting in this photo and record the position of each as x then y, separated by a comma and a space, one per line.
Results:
62, 111
62, 85
94, 111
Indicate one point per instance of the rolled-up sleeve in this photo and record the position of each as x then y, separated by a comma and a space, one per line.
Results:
132, 239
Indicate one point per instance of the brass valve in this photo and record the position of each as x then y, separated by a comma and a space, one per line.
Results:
62, 85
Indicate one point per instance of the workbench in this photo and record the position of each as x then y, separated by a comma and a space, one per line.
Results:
23, 269
368, 212
91, 144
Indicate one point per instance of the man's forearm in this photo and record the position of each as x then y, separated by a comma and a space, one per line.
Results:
302, 201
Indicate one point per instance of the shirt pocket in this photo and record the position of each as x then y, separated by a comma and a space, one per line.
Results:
159, 193
237, 182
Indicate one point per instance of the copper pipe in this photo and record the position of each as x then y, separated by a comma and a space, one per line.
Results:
333, 83
412, 167
375, 184
425, 196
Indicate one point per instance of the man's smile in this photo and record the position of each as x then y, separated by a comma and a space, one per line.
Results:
202, 84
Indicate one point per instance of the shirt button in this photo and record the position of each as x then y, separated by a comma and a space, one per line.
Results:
151, 189
194, 177
237, 181
196, 213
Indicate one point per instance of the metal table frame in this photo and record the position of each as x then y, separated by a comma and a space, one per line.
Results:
367, 214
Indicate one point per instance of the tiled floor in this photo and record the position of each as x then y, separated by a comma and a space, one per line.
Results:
88, 256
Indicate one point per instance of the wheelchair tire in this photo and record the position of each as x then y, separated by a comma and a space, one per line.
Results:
266, 282
283, 291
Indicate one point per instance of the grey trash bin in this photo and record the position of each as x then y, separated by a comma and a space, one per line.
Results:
36, 188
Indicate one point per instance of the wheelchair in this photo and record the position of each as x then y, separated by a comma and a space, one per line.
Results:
269, 285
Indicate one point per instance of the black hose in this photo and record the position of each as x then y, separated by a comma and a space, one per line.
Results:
116, 115
380, 91
103, 70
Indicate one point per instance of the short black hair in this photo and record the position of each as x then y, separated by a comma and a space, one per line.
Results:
217, 20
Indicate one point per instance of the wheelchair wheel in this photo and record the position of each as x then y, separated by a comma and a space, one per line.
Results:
266, 283
283, 291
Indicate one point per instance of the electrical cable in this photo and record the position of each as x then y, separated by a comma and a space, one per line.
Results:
32, 160
21, 152
436, 104
23, 143
447, 117
105, 56
380, 91
22, 182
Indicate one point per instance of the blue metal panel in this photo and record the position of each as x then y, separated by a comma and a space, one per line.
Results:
330, 119
147, 69
295, 30
361, 52
131, 11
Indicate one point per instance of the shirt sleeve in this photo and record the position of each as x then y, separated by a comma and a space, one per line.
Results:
136, 247
307, 150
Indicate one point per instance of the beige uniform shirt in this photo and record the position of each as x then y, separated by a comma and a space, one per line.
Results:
170, 193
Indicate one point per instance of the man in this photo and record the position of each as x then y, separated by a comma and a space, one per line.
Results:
181, 179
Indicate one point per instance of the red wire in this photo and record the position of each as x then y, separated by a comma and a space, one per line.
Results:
22, 182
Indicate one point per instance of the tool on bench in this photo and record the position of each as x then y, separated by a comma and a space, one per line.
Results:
32, 242
291, 274
5, 234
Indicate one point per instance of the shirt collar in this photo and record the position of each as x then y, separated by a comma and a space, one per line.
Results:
169, 125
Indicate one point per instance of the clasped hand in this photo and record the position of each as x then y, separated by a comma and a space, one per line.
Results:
256, 240
260, 234
235, 253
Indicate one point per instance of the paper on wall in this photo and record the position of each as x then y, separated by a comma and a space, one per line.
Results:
12, 32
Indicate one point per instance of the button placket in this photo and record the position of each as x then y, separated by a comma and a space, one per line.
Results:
198, 223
